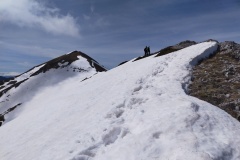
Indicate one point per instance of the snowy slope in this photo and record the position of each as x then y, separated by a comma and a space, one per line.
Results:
22, 88
137, 111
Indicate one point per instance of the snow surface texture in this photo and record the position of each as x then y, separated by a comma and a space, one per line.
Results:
137, 111
33, 85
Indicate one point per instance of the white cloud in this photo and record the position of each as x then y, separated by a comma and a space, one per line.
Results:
95, 19
31, 13
92, 8
33, 50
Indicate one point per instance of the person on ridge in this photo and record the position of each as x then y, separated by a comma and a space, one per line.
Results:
145, 51
148, 50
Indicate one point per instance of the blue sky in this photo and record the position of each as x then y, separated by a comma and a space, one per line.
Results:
110, 31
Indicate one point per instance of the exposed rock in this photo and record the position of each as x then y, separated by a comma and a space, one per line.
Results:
14, 85
230, 47
217, 79
184, 44
176, 47
122, 63
2, 119
5, 79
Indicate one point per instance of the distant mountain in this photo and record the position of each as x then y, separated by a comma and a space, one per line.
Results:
5, 79
72, 108
42, 76
2, 78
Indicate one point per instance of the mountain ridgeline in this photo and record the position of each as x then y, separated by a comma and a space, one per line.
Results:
214, 79
181, 102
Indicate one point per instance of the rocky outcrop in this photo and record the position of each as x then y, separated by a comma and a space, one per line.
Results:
4, 79
231, 48
176, 47
217, 79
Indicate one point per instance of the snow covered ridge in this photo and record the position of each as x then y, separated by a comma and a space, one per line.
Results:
167, 50
44, 75
137, 111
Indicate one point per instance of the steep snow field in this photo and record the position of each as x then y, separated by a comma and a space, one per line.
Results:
137, 111
30, 85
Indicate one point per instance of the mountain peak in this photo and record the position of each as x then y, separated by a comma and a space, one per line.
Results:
46, 74
66, 60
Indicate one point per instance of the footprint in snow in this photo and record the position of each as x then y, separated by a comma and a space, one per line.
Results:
114, 134
115, 113
88, 153
107, 139
135, 102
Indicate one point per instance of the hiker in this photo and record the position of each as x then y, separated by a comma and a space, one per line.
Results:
145, 51
148, 50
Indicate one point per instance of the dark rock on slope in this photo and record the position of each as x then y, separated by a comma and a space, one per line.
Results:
2, 119
122, 63
176, 47
217, 79
12, 85
4, 79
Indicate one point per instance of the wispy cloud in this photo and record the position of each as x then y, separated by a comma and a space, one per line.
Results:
32, 50
92, 8
95, 19
32, 13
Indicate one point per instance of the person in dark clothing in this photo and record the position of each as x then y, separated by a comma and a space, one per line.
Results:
148, 50
145, 51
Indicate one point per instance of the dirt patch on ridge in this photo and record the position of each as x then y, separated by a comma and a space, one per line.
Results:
217, 79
